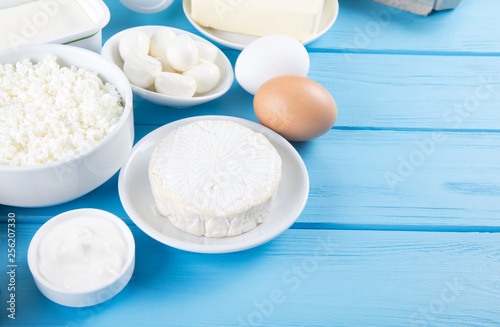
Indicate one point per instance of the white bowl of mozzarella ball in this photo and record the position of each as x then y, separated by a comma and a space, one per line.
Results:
66, 123
170, 67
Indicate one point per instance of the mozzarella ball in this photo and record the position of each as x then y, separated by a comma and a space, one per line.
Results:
160, 40
206, 51
133, 40
165, 65
182, 53
206, 74
141, 70
175, 84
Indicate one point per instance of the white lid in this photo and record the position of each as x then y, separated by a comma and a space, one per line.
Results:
146, 6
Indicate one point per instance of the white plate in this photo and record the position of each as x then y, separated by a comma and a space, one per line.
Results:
110, 51
137, 199
240, 41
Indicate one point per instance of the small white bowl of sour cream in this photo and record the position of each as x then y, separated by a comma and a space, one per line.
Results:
82, 257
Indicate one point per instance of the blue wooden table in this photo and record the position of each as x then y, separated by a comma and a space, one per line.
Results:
402, 223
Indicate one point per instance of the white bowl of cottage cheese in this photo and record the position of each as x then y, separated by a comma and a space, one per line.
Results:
66, 123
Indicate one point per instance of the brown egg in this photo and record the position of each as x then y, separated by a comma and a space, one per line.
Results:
296, 107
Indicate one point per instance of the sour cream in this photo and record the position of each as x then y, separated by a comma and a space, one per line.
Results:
82, 254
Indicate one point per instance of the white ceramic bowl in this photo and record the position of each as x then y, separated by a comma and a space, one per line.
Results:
110, 51
93, 296
68, 179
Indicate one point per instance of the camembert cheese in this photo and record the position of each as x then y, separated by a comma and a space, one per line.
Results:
214, 178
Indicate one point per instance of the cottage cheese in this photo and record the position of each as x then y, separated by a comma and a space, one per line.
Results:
49, 112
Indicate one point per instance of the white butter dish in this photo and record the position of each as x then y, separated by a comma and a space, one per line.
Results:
75, 22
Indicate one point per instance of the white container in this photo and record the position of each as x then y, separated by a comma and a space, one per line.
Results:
67, 179
94, 296
89, 37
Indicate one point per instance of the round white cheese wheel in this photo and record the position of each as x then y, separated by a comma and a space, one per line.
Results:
214, 178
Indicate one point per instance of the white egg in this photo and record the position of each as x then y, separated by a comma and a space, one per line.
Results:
133, 40
165, 65
206, 74
175, 84
160, 40
268, 57
206, 51
141, 70
182, 53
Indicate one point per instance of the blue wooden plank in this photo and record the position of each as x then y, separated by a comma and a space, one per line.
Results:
313, 278
406, 91
397, 83
368, 26
373, 179
409, 180
381, 91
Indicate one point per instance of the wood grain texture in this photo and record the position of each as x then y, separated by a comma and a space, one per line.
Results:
348, 278
367, 26
374, 179
380, 91
401, 226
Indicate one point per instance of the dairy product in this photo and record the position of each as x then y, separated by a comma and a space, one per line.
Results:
49, 112
165, 65
141, 69
182, 53
175, 84
82, 254
206, 74
214, 178
296, 18
133, 41
160, 40
37, 20
206, 51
